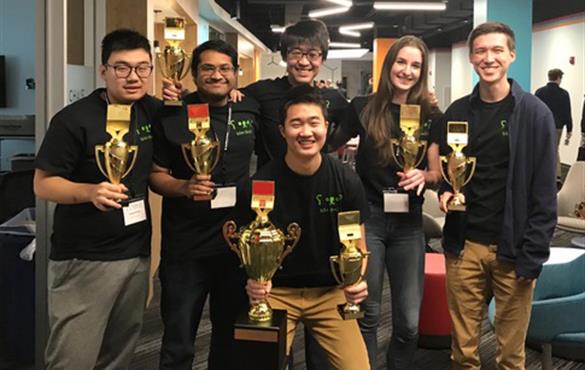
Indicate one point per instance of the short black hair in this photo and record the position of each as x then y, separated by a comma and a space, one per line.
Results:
303, 94
311, 31
123, 39
216, 45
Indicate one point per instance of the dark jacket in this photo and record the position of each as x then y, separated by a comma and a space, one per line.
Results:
558, 101
531, 203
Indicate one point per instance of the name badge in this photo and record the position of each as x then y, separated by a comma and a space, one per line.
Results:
395, 202
134, 212
225, 196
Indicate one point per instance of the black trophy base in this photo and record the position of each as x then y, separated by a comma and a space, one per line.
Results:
261, 346
173, 103
349, 315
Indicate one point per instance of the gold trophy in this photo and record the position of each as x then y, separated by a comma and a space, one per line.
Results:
261, 246
348, 267
457, 164
202, 153
407, 150
173, 61
115, 154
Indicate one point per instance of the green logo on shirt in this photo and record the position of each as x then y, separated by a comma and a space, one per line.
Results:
144, 132
242, 127
504, 127
328, 203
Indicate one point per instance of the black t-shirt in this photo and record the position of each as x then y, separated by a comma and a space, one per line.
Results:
192, 228
271, 95
68, 150
486, 191
313, 202
375, 176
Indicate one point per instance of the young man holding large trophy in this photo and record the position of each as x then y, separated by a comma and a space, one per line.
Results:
94, 162
202, 153
496, 244
311, 189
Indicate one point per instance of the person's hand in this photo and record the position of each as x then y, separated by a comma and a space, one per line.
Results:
106, 196
257, 291
568, 138
355, 294
523, 280
446, 197
412, 179
433, 101
236, 95
171, 89
199, 188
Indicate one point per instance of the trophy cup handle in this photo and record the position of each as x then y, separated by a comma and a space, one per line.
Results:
186, 149
333, 261
422, 144
186, 66
444, 160
473, 162
395, 143
132, 149
230, 234
292, 238
163, 65
100, 149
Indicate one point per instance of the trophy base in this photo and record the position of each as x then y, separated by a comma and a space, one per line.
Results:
261, 345
173, 103
456, 207
349, 314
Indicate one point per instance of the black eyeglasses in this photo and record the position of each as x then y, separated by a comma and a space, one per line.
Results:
297, 54
124, 70
224, 69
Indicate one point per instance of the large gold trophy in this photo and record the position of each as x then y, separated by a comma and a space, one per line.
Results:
409, 151
173, 60
261, 246
460, 168
348, 267
202, 153
117, 156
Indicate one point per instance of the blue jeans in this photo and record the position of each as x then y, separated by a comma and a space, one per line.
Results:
396, 243
185, 286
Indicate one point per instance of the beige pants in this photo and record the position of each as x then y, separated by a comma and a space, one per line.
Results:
317, 309
559, 135
95, 312
471, 279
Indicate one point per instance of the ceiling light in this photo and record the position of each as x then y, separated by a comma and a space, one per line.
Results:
327, 11
277, 29
346, 3
350, 33
346, 53
358, 26
354, 45
402, 5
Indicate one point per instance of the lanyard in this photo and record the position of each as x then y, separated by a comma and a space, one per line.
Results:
227, 130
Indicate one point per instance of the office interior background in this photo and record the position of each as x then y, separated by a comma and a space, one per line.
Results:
50, 53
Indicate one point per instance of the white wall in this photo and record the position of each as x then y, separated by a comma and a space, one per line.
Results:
440, 76
553, 43
461, 71
353, 70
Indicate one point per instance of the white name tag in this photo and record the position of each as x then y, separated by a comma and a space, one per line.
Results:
224, 198
395, 202
134, 212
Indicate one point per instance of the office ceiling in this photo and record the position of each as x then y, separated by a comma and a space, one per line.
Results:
438, 29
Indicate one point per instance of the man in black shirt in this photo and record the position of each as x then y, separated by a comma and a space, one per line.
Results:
195, 259
498, 246
558, 101
311, 188
99, 260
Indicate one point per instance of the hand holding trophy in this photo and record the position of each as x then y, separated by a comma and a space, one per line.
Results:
117, 156
202, 153
261, 246
457, 174
409, 151
348, 267
173, 60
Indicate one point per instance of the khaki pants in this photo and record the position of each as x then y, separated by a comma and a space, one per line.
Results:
317, 309
559, 135
95, 312
471, 279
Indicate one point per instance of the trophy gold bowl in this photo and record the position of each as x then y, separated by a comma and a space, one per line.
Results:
202, 153
173, 61
117, 156
460, 168
261, 246
408, 151
348, 268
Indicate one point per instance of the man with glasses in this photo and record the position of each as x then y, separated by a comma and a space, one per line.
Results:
196, 262
99, 259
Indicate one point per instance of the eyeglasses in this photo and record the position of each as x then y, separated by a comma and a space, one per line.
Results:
224, 69
297, 54
124, 70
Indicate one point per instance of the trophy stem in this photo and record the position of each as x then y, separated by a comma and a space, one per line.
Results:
350, 311
260, 312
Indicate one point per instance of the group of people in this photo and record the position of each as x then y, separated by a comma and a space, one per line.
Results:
99, 260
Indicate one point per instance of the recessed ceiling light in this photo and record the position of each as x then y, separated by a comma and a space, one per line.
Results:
403, 5
354, 45
327, 11
277, 29
346, 53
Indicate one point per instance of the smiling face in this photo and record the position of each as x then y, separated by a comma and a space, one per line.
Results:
304, 130
406, 69
131, 88
491, 57
216, 75
303, 63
